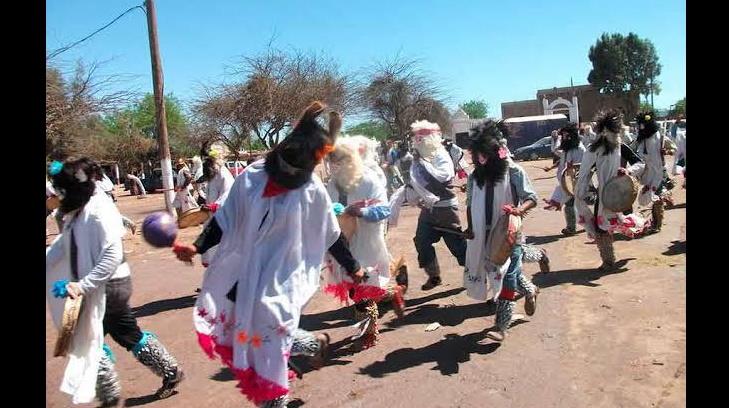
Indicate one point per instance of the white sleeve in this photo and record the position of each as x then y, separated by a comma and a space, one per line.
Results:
225, 189
227, 215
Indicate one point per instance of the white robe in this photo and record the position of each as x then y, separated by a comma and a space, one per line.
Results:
368, 245
680, 150
573, 156
218, 189
650, 172
607, 166
183, 199
96, 227
372, 165
481, 276
273, 247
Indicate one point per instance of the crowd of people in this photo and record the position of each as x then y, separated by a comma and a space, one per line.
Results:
278, 228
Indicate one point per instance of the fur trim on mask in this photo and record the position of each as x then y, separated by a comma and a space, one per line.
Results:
647, 125
346, 164
608, 127
366, 147
487, 139
570, 138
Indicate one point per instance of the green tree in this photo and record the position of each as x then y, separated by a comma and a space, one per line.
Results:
378, 130
140, 116
679, 109
625, 66
645, 107
475, 109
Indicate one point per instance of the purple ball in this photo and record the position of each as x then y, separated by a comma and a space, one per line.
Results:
159, 229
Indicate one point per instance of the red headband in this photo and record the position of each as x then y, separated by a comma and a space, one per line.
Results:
426, 132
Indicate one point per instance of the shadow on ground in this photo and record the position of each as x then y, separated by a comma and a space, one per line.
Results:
165, 305
583, 277
447, 354
676, 248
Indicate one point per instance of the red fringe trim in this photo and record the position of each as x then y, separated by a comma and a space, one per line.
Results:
361, 292
256, 388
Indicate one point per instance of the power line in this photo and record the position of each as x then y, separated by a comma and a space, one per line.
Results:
68, 47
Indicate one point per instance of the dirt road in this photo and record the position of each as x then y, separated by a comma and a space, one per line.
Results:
615, 340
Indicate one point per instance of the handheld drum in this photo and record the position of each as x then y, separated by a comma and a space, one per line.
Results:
71, 311
620, 193
193, 217
503, 238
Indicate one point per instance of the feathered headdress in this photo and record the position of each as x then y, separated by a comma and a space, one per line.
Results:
608, 125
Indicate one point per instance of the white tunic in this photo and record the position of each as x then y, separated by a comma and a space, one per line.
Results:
367, 245
97, 226
273, 248
650, 173
607, 165
218, 189
183, 199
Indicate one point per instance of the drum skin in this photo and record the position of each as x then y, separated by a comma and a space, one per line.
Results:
71, 310
620, 193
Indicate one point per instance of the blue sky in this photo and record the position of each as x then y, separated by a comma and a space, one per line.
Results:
498, 51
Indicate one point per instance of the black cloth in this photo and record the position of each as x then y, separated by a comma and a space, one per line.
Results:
340, 252
74, 257
209, 237
627, 155
489, 207
119, 320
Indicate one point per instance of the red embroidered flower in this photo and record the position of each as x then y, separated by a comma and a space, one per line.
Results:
202, 312
256, 341
242, 337
222, 317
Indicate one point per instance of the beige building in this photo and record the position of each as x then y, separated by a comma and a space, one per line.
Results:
579, 103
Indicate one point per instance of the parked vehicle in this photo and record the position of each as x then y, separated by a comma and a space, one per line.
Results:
152, 182
541, 149
524, 131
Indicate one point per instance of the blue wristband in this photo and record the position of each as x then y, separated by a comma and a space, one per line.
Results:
59, 288
338, 209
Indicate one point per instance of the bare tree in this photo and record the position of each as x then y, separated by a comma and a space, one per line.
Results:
72, 106
397, 93
276, 86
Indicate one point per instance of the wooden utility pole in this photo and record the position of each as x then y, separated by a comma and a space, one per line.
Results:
159, 105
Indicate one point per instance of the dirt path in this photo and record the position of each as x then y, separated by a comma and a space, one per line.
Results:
614, 340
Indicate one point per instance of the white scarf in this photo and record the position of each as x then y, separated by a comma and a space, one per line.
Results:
481, 276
